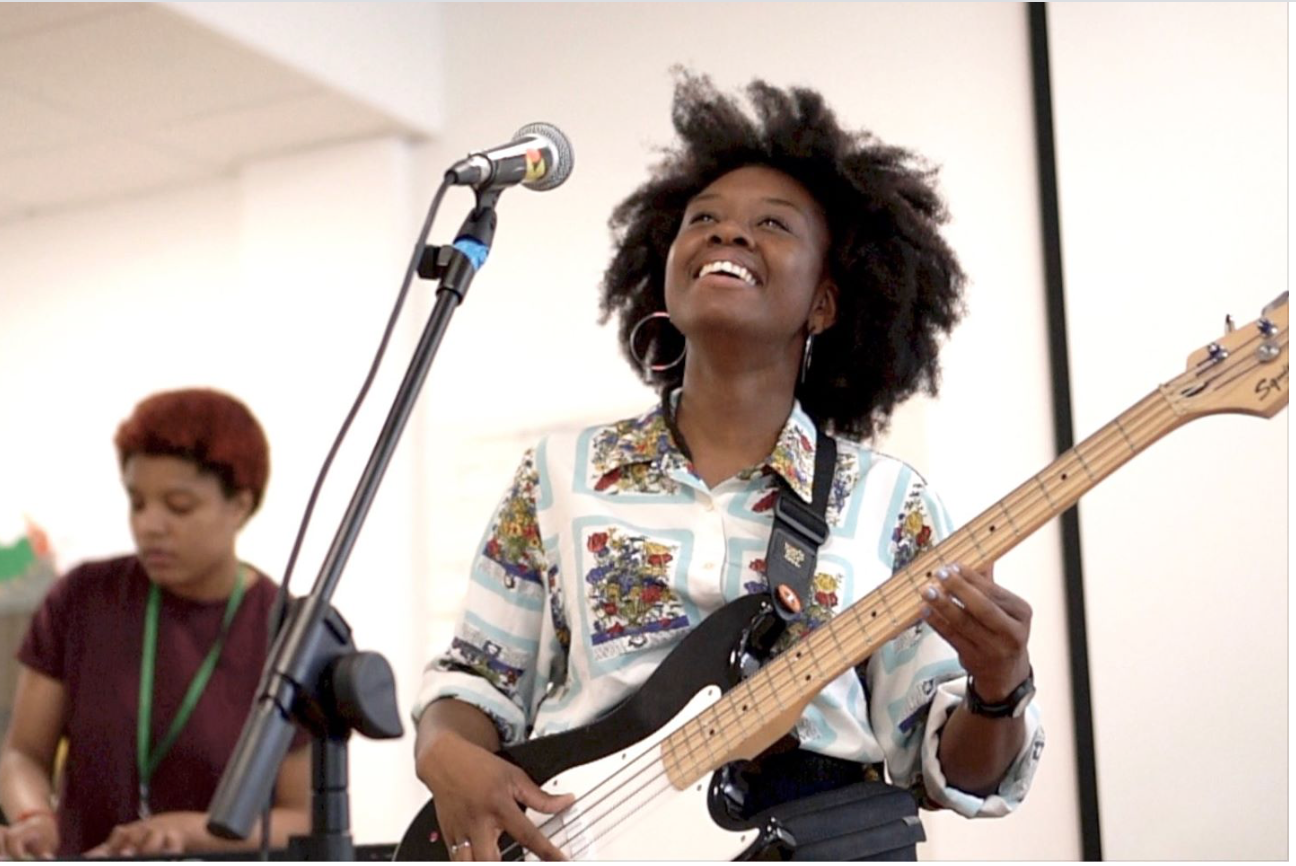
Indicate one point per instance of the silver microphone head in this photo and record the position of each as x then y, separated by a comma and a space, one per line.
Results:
561, 149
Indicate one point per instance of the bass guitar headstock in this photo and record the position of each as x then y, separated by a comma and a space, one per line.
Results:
1244, 371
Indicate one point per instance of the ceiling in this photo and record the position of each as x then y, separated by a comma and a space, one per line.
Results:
106, 100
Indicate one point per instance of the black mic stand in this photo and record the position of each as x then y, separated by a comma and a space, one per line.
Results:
313, 675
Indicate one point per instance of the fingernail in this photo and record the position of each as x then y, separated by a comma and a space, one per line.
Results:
930, 593
954, 568
925, 612
942, 574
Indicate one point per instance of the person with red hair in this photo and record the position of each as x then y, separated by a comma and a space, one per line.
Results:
147, 664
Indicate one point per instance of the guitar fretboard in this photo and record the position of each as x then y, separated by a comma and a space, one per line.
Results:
764, 707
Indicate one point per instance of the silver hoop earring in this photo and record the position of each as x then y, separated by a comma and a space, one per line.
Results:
805, 357
639, 358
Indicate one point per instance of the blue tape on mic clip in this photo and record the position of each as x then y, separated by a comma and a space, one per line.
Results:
474, 250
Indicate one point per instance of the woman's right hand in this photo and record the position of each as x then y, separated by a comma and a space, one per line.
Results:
32, 837
477, 796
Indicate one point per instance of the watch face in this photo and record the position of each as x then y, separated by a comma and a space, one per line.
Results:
1020, 709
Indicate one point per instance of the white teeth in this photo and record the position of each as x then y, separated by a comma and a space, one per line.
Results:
728, 268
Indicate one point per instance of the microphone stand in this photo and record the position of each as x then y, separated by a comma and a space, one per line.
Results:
314, 676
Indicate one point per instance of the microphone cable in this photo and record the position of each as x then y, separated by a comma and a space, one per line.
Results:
278, 611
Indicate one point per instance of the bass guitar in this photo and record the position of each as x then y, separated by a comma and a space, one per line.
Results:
660, 759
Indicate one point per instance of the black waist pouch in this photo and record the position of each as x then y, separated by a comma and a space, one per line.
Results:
860, 821
832, 809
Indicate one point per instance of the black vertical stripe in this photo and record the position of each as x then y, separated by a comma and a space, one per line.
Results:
1064, 439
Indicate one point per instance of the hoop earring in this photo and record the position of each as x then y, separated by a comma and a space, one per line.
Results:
805, 357
640, 359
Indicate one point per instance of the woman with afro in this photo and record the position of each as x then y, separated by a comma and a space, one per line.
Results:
778, 279
147, 664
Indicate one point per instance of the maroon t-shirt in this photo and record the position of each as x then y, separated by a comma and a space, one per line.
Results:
88, 634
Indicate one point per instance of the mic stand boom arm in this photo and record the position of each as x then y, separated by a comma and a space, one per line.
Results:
313, 675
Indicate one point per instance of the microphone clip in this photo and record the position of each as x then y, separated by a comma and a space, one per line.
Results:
434, 260
456, 264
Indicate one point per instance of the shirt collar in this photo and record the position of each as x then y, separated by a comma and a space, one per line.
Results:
647, 439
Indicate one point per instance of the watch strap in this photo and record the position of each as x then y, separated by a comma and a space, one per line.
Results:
1009, 706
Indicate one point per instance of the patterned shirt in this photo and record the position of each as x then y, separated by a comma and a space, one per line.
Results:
609, 548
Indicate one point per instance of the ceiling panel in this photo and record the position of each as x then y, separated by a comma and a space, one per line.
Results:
23, 18
231, 137
103, 100
105, 168
11, 210
27, 125
141, 67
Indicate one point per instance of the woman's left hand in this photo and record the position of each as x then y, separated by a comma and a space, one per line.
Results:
987, 625
164, 833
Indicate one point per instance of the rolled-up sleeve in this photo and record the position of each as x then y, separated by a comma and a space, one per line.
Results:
493, 659
1016, 781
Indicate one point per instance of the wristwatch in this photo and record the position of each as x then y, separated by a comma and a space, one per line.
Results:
1013, 705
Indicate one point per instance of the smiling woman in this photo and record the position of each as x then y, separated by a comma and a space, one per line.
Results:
796, 274
147, 664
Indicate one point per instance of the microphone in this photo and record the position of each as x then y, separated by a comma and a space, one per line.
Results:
539, 157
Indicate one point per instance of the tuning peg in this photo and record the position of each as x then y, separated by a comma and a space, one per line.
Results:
1228, 324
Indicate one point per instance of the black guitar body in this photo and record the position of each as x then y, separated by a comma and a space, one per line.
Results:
728, 645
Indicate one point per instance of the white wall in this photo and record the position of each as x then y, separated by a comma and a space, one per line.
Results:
1172, 159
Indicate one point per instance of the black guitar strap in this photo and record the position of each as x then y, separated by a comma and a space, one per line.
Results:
822, 813
799, 531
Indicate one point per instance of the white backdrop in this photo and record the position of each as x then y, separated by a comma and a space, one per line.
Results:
1172, 161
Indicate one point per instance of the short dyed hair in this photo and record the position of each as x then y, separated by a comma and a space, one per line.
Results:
900, 283
211, 429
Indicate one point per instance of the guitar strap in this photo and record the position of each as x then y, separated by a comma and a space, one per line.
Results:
799, 531
824, 819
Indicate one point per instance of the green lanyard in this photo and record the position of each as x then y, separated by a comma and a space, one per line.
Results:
144, 761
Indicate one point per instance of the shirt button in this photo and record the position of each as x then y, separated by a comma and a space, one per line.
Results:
708, 566
710, 506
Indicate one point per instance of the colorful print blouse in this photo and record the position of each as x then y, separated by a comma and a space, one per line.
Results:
608, 548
